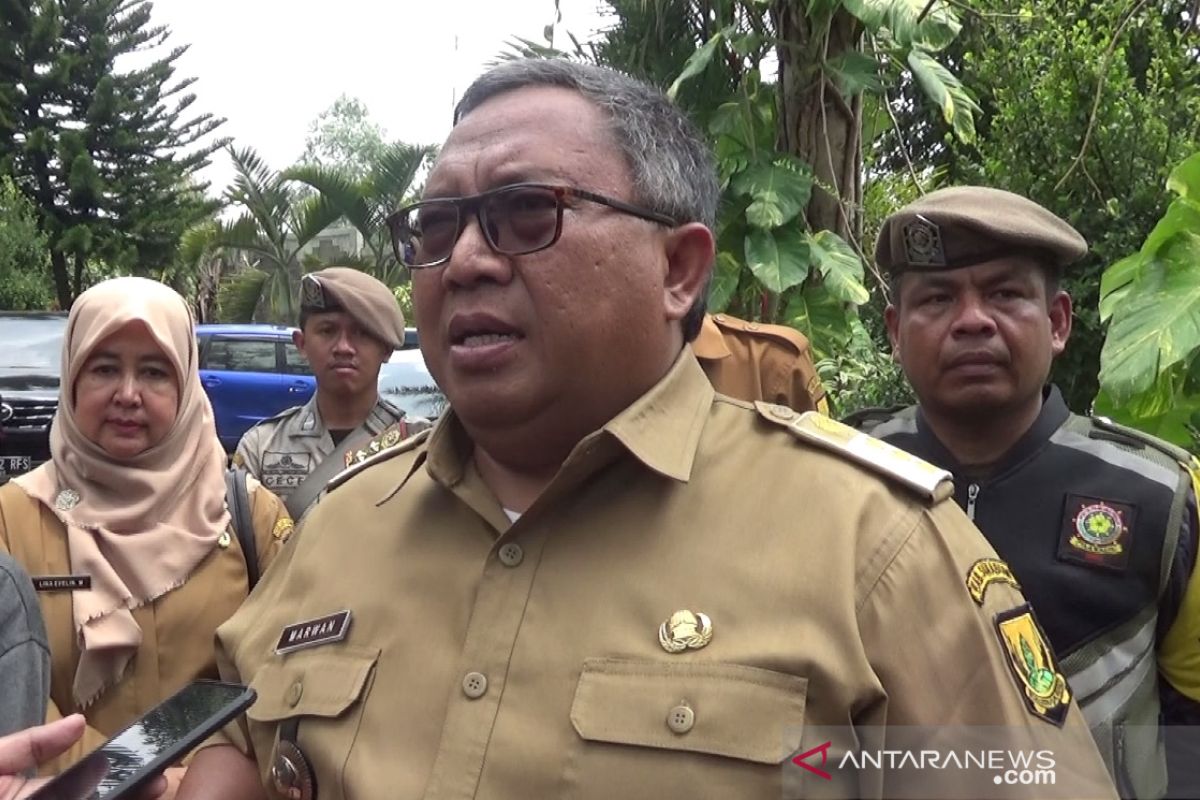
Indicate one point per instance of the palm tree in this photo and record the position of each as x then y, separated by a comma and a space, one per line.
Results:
275, 224
365, 203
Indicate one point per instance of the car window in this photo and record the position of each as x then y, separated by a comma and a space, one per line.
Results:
33, 344
241, 355
293, 362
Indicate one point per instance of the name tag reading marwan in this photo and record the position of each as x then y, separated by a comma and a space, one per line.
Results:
314, 632
61, 583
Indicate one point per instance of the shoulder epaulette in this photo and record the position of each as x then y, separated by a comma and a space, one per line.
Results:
1115, 430
401, 446
391, 436
932, 483
287, 412
779, 333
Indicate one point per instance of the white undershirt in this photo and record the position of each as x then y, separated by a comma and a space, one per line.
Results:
513, 516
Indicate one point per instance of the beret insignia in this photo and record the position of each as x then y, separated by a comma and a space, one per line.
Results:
923, 243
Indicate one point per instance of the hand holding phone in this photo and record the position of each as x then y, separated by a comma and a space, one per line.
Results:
151, 744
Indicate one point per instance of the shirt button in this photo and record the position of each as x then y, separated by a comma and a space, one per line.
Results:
681, 719
475, 685
511, 554
294, 693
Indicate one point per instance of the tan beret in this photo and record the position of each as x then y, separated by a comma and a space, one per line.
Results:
366, 299
967, 225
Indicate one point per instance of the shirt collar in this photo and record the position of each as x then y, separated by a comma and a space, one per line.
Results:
661, 428
1053, 414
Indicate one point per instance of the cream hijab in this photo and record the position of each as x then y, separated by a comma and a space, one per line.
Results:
139, 526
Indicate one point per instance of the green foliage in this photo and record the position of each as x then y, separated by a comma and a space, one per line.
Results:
344, 137
1151, 299
1085, 110
106, 154
24, 255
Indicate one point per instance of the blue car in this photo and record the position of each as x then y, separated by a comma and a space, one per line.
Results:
250, 372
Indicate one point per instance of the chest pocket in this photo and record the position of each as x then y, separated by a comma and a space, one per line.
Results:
683, 729
324, 689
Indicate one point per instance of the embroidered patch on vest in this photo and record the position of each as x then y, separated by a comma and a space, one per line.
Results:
1096, 533
1042, 685
984, 573
314, 632
62, 583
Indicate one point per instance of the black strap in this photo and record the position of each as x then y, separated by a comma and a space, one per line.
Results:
237, 497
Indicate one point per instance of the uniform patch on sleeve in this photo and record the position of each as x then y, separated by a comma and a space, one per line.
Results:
1029, 657
984, 573
1096, 532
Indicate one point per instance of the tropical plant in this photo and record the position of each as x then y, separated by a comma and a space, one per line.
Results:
24, 253
1149, 368
274, 226
366, 202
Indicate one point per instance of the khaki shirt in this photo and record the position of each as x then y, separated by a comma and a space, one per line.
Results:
177, 629
282, 450
755, 361
518, 660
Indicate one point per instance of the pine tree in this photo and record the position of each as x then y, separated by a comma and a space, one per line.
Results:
107, 154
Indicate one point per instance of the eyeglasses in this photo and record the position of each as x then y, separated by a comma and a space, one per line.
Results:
516, 220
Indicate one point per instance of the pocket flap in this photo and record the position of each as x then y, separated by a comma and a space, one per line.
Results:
737, 711
322, 682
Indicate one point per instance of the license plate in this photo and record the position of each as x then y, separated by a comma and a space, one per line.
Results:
14, 465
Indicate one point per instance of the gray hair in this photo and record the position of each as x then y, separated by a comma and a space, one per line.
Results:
670, 163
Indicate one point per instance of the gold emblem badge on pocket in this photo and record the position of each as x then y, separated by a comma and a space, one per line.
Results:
685, 630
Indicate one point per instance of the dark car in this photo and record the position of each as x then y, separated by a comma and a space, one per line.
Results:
30, 367
250, 372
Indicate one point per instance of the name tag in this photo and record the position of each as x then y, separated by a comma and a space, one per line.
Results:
314, 632
62, 583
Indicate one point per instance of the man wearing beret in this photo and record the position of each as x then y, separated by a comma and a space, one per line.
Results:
349, 325
1097, 521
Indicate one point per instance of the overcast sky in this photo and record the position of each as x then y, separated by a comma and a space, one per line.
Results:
271, 66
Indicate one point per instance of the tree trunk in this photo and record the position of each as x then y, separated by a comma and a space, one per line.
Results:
62, 281
816, 123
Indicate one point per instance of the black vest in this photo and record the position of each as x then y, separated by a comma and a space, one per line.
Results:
1053, 499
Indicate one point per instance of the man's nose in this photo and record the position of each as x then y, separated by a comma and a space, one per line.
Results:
973, 318
473, 260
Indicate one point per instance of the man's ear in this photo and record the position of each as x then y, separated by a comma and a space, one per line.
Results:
298, 340
1060, 311
891, 318
689, 251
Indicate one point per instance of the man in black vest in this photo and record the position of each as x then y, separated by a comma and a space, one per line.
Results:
1097, 521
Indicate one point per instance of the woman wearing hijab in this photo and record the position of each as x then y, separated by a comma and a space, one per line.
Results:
129, 516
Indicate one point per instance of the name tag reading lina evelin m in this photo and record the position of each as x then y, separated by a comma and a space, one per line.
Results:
314, 632
61, 583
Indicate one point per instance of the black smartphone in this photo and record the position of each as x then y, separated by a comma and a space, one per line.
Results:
159, 739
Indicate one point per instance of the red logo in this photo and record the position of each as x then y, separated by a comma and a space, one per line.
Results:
823, 749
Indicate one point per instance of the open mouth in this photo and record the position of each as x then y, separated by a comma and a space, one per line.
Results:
479, 330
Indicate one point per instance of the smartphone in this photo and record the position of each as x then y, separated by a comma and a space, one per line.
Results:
159, 739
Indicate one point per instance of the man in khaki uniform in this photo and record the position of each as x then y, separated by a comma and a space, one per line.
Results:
596, 578
350, 323
756, 361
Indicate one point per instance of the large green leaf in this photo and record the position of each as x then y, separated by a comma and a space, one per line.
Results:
899, 17
840, 266
698, 61
725, 277
1116, 283
854, 72
1171, 420
946, 90
1185, 179
1156, 327
821, 317
780, 259
780, 192
1182, 215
